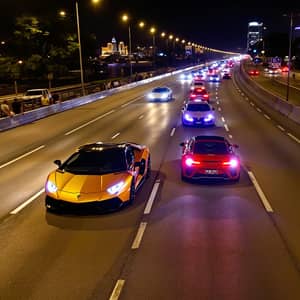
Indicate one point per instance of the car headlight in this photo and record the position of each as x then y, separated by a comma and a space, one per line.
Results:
208, 118
150, 96
188, 118
164, 95
116, 188
51, 186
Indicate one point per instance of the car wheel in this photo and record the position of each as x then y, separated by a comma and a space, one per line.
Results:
132, 192
183, 178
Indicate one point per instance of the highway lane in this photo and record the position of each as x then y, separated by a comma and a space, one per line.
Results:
219, 241
200, 240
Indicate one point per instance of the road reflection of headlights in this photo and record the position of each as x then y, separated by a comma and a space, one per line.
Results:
116, 188
51, 187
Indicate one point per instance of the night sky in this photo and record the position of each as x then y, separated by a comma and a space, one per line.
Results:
215, 24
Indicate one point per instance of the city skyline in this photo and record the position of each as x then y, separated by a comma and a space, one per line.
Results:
222, 27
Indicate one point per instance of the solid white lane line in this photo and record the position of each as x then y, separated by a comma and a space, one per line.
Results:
114, 136
22, 156
20, 207
141, 117
152, 197
267, 117
260, 192
223, 119
226, 127
117, 290
172, 132
293, 137
138, 238
280, 127
90, 122
258, 109
219, 108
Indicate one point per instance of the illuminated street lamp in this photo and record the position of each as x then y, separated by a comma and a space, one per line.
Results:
125, 18
152, 31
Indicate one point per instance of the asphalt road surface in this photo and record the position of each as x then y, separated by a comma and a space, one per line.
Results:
178, 240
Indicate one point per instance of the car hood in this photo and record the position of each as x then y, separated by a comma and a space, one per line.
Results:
71, 183
198, 114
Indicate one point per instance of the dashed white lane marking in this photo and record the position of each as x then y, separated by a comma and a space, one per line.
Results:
293, 137
20, 207
267, 117
132, 101
218, 102
280, 127
172, 132
258, 109
219, 108
141, 117
114, 136
90, 122
117, 290
138, 238
251, 103
246, 98
260, 192
223, 119
226, 127
152, 197
22, 156
230, 136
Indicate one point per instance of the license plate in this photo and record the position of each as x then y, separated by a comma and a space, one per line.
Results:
211, 172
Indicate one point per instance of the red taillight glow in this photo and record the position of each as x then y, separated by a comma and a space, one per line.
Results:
232, 163
192, 96
189, 162
205, 96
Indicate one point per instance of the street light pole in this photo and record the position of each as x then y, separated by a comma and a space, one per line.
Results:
290, 54
130, 62
80, 52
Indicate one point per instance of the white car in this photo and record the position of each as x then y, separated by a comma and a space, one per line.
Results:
162, 93
41, 96
198, 113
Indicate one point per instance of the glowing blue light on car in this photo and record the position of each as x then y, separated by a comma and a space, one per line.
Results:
116, 188
51, 186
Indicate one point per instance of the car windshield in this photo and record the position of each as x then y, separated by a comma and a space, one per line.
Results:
198, 107
33, 93
210, 147
160, 90
96, 162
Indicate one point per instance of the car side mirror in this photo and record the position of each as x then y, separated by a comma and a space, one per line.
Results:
181, 144
57, 162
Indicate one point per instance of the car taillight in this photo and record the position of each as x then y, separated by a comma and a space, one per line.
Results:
189, 162
192, 95
232, 163
205, 96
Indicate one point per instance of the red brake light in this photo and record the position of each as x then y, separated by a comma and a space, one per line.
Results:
232, 163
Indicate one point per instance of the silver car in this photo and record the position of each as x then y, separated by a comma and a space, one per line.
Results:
162, 93
198, 114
